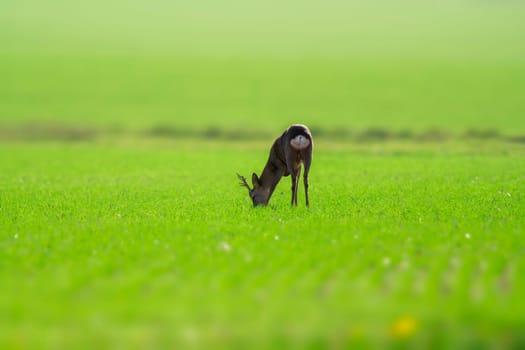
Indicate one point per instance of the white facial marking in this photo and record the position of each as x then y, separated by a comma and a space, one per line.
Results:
299, 142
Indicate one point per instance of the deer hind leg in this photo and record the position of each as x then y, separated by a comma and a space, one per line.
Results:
297, 185
307, 162
305, 179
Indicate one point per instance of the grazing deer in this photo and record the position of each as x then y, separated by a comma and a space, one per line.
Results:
291, 149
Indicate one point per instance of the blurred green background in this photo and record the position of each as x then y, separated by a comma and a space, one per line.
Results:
400, 65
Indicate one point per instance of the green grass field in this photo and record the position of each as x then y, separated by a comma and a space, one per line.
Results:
150, 246
123, 124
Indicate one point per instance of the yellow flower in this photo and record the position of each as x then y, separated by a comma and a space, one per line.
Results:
404, 327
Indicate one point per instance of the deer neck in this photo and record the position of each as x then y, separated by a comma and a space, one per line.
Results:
269, 178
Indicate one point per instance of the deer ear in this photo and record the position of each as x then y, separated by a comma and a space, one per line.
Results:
255, 181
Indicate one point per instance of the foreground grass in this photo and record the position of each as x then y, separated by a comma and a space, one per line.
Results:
150, 246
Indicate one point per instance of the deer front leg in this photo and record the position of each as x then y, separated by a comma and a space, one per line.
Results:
294, 188
292, 166
296, 174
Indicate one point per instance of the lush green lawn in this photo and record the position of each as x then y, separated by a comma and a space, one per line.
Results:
149, 245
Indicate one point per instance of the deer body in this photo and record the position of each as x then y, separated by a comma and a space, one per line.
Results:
290, 150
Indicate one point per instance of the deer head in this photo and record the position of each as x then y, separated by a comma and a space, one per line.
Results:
258, 194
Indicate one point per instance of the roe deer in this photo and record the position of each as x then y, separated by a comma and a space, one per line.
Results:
288, 151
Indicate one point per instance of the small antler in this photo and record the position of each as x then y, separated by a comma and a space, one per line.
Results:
243, 182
